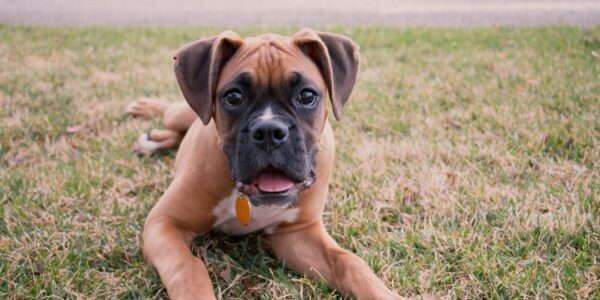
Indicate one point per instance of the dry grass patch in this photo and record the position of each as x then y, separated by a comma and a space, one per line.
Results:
467, 166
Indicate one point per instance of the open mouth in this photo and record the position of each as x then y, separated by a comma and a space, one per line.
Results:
271, 180
272, 184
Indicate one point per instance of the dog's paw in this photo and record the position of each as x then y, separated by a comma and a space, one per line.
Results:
132, 108
145, 145
146, 107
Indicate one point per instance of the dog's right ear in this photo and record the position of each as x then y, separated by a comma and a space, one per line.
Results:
197, 68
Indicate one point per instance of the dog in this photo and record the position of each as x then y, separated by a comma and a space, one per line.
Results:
256, 152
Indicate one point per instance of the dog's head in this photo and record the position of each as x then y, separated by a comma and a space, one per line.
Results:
267, 96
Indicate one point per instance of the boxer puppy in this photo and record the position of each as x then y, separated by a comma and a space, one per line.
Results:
257, 154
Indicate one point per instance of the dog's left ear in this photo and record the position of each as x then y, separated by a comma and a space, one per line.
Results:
198, 66
337, 58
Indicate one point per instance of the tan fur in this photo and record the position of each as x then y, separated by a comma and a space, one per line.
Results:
202, 179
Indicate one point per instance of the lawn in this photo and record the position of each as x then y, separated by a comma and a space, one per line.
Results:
468, 165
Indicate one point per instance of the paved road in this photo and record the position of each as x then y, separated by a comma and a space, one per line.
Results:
232, 13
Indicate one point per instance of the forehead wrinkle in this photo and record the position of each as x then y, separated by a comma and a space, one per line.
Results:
269, 63
276, 61
269, 60
246, 51
235, 68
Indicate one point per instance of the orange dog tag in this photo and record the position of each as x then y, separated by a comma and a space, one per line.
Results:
243, 210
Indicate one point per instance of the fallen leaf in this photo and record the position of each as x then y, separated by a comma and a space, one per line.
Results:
451, 176
249, 289
225, 274
75, 129
16, 159
247, 285
452, 123
406, 219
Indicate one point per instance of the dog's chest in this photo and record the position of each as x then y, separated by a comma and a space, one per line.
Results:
266, 218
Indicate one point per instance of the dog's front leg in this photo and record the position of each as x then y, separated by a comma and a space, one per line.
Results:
312, 251
184, 276
170, 228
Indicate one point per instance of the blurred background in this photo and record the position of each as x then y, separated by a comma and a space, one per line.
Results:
232, 13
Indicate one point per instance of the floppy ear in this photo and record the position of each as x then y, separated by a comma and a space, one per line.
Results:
337, 58
197, 68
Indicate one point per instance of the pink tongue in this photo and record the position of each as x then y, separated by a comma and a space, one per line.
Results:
273, 182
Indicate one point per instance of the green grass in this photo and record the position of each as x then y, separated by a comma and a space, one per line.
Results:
468, 165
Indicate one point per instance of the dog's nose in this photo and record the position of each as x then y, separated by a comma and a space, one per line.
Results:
269, 133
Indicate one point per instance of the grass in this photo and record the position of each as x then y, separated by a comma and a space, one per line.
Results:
468, 165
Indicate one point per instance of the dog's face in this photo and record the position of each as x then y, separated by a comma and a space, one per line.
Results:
267, 95
269, 113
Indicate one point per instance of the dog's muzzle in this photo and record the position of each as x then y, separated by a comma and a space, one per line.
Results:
271, 164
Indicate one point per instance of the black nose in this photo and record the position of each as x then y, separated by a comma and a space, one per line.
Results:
269, 133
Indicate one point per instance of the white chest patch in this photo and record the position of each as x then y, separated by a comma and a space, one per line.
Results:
263, 217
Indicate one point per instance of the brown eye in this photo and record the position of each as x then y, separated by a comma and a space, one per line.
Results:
307, 97
233, 98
